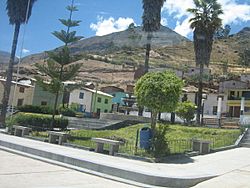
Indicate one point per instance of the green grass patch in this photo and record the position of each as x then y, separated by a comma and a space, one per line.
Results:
178, 137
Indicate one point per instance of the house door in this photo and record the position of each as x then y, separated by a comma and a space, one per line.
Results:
98, 112
234, 111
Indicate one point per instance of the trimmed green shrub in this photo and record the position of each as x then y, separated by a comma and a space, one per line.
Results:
67, 112
36, 109
186, 111
160, 143
39, 122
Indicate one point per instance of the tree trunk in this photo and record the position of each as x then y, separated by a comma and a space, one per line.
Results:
159, 116
148, 49
153, 120
140, 111
146, 64
172, 118
199, 97
56, 99
7, 86
54, 111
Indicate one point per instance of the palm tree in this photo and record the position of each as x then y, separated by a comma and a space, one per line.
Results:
205, 23
151, 21
19, 12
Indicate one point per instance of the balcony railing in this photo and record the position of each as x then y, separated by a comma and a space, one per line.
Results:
233, 98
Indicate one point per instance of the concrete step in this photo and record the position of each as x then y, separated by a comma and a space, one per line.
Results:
246, 140
90, 123
247, 145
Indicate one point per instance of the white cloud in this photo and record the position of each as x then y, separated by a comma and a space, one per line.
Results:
183, 28
25, 51
110, 25
164, 21
234, 13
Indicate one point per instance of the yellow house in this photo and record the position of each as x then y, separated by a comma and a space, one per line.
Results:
23, 94
234, 101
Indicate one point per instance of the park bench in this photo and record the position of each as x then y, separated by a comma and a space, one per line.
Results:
113, 145
21, 131
57, 137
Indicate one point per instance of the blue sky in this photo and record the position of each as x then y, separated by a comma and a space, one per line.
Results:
101, 17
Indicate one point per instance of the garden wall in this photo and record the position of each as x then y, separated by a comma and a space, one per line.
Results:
123, 117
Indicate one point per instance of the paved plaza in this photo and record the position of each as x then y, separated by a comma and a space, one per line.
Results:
230, 168
21, 172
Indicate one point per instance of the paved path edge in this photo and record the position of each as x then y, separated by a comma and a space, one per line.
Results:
130, 177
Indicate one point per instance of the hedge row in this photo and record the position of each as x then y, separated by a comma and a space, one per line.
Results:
36, 109
39, 122
47, 110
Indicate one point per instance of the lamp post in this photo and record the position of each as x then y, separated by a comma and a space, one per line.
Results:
202, 111
204, 97
242, 106
219, 110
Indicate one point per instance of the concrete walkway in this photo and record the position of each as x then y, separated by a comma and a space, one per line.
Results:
17, 171
174, 174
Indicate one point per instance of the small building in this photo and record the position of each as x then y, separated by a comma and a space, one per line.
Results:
20, 94
232, 84
42, 97
101, 102
234, 101
210, 99
82, 97
117, 93
91, 101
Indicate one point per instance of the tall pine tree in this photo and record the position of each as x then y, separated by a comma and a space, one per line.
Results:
60, 66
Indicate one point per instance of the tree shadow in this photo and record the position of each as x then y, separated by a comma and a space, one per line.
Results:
176, 159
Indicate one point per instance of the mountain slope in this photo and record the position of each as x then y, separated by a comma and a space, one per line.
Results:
5, 57
130, 38
114, 58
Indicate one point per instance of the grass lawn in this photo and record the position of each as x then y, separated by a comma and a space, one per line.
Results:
178, 137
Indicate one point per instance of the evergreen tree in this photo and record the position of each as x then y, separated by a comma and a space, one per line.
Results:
60, 66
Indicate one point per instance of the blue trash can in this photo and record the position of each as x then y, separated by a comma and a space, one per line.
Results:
145, 138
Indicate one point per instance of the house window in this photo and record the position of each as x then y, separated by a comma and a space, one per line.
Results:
21, 89
19, 102
214, 110
99, 99
105, 111
246, 94
44, 103
81, 95
106, 101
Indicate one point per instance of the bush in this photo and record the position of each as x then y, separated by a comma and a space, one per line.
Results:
67, 112
39, 122
186, 111
36, 109
160, 144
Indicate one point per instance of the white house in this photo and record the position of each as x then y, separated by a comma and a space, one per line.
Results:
83, 97
211, 101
